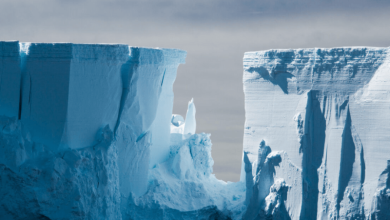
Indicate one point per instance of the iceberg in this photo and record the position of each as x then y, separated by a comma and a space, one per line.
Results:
79, 122
88, 133
324, 112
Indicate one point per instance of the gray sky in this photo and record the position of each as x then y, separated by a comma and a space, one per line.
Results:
215, 33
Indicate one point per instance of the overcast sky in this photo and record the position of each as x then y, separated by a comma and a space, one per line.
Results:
215, 33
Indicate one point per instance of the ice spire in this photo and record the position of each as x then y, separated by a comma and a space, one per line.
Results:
190, 123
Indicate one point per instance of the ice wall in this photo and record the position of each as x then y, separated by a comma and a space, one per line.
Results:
145, 113
326, 112
10, 75
161, 127
70, 91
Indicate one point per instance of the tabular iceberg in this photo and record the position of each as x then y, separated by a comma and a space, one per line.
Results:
88, 133
325, 113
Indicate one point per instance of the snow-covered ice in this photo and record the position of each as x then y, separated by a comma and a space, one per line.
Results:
88, 133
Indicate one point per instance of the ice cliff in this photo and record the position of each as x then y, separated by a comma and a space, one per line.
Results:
325, 113
88, 133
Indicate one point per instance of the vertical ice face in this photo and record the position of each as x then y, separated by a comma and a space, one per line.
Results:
71, 91
10, 75
327, 110
161, 126
92, 119
145, 113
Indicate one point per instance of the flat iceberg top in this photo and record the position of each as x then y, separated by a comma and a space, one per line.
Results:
316, 48
282, 59
9, 49
327, 69
99, 52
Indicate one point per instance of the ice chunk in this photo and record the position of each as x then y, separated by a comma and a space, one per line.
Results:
275, 206
177, 120
177, 124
